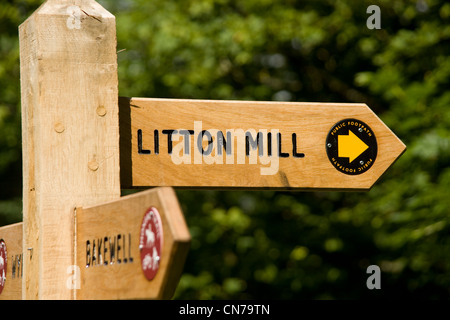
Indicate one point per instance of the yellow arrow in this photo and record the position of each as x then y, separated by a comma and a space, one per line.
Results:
350, 146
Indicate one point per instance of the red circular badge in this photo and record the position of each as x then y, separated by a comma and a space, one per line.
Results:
3, 260
151, 242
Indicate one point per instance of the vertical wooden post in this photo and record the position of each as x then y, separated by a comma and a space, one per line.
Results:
70, 134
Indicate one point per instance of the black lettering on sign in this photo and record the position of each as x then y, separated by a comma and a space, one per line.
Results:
269, 144
281, 154
223, 141
140, 149
88, 253
100, 256
169, 139
187, 139
17, 267
112, 250
109, 250
119, 236
130, 258
294, 147
105, 251
200, 143
94, 255
254, 143
156, 139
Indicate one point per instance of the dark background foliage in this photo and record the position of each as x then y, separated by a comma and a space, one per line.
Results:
288, 245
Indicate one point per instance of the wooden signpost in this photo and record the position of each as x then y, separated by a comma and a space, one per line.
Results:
132, 248
248, 144
79, 238
70, 132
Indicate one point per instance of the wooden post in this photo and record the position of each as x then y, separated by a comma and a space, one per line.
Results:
70, 133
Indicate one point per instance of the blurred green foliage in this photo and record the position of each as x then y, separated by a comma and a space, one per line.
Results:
12, 13
288, 245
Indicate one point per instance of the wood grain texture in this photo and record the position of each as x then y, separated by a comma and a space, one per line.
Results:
124, 217
311, 122
12, 236
70, 151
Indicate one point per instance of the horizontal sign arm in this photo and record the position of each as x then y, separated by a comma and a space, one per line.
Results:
251, 145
